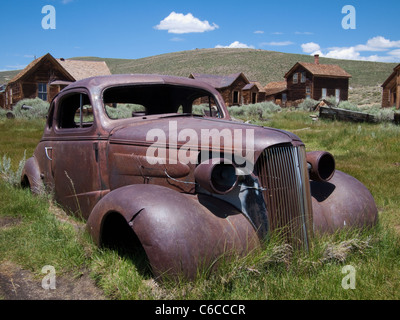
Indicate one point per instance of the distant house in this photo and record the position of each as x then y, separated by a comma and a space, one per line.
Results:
253, 92
317, 81
235, 88
391, 90
46, 76
2, 94
276, 92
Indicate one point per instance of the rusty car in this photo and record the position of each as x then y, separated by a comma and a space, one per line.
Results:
156, 162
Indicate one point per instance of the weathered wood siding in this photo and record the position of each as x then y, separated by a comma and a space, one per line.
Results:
251, 96
2, 100
297, 91
331, 84
391, 91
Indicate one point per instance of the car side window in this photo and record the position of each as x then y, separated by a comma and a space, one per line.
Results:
205, 106
75, 111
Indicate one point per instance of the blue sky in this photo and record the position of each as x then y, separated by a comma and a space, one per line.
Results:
136, 29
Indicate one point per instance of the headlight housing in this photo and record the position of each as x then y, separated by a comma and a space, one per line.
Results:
216, 176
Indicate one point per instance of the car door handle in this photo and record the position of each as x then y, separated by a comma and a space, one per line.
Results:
46, 149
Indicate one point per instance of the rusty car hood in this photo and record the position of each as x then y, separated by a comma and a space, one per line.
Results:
135, 132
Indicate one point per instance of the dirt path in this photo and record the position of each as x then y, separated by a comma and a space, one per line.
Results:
19, 284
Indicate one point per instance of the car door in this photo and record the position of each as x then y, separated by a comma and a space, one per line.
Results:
75, 154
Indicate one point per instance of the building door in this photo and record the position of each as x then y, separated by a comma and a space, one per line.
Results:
235, 97
254, 98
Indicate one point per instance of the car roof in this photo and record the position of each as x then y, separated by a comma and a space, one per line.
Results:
101, 82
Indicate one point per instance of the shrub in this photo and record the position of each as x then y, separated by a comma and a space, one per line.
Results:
260, 110
37, 109
348, 106
307, 105
236, 111
3, 113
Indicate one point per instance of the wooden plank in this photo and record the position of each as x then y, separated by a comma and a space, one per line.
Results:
346, 115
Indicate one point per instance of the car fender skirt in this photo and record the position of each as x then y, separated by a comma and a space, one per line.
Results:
181, 234
343, 202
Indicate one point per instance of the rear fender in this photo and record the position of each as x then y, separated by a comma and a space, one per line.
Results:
31, 175
342, 202
179, 233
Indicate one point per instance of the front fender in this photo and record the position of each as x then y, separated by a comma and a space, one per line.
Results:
179, 233
31, 174
342, 202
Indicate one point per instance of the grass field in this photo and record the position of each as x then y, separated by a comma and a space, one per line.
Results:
370, 152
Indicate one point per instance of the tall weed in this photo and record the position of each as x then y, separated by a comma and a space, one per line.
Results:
11, 177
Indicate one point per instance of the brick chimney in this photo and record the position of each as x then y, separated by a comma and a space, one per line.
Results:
316, 58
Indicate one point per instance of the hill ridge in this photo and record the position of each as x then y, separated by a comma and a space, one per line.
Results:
258, 65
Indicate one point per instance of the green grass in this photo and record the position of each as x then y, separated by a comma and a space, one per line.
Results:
370, 152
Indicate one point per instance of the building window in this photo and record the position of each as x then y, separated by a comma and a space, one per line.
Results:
295, 78
337, 95
284, 97
324, 92
303, 77
308, 92
42, 91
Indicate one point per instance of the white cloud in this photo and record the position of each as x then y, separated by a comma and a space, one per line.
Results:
304, 33
375, 44
176, 39
259, 32
277, 43
179, 23
277, 33
235, 44
395, 53
310, 47
16, 67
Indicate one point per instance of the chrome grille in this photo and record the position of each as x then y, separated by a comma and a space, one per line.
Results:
282, 172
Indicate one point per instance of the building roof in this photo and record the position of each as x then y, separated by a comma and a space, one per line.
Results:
248, 86
218, 81
73, 69
84, 69
275, 87
321, 70
392, 75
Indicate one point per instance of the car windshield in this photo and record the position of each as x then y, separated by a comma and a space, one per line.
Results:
141, 100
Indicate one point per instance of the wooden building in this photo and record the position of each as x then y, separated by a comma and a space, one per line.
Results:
316, 81
253, 92
46, 76
276, 92
391, 90
235, 88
